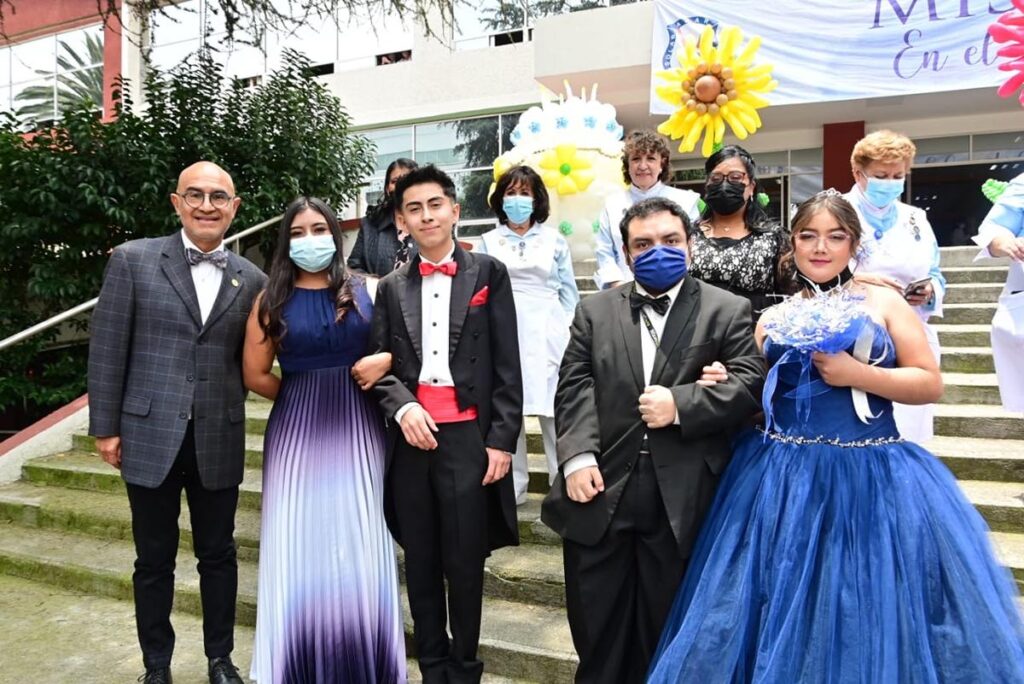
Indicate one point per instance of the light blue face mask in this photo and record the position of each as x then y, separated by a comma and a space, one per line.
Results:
518, 208
882, 192
312, 253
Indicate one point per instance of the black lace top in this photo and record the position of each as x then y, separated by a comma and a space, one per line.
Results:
747, 266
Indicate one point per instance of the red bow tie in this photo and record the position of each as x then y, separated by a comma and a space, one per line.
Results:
448, 268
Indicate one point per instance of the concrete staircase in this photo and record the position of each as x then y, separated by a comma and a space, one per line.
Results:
66, 521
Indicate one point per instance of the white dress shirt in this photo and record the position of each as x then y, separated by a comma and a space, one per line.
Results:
435, 301
648, 350
207, 279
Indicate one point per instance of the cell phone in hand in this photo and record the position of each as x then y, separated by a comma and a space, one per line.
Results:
916, 287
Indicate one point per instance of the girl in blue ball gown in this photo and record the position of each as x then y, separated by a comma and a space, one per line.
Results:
835, 551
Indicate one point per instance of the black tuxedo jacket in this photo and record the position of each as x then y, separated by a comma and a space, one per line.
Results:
599, 384
483, 356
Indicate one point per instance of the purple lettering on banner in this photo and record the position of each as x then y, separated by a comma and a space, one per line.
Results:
987, 57
897, 61
933, 13
930, 59
994, 10
965, 11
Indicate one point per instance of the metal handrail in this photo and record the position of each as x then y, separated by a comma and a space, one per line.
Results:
85, 306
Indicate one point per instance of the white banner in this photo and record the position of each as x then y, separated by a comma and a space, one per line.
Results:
826, 50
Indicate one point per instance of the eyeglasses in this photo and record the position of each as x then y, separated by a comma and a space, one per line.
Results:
834, 240
732, 177
195, 198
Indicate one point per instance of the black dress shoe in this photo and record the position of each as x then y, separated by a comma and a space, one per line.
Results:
223, 671
156, 675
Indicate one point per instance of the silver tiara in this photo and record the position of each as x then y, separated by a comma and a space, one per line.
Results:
829, 192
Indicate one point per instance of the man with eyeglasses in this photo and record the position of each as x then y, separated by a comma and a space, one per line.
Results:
167, 408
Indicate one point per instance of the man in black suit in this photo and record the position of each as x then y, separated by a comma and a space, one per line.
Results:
641, 444
167, 407
454, 402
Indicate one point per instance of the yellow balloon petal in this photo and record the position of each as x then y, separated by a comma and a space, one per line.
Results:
565, 152
719, 129
753, 100
707, 36
584, 178
747, 56
709, 144
566, 186
730, 38
738, 129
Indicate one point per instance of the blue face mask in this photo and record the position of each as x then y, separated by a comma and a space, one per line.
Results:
312, 253
518, 208
660, 267
882, 192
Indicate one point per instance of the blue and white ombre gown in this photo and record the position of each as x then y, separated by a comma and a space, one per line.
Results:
835, 552
327, 610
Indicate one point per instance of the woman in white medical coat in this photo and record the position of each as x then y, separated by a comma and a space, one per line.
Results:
544, 288
898, 247
1001, 234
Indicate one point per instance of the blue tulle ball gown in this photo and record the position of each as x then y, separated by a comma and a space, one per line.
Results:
327, 610
835, 552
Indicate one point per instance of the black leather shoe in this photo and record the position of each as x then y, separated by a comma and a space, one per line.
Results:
223, 671
156, 675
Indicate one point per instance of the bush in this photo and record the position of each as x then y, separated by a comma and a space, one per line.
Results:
71, 194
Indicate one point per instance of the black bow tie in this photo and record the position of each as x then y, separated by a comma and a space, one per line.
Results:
638, 301
218, 258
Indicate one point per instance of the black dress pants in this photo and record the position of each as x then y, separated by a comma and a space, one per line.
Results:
441, 509
619, 591
155, 530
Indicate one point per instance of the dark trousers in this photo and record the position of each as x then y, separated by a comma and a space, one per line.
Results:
155, 530
619, 591
441, 509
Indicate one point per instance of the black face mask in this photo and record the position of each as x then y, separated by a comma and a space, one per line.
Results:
844, 277
725, 197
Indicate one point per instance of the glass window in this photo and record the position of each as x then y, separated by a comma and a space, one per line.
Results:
998, 146
33, 101
804, 186
952, 197
80, 49
508, 124
805, 161
33, 59
771, 163
942, 150
471, 188
5, 66
166, 57
75, 87
465, 143
392, 143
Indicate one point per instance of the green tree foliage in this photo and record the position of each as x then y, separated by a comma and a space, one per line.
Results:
72, 193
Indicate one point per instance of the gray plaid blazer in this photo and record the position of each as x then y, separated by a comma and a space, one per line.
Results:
153, 364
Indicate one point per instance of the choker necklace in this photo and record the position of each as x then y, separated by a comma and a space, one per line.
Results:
843, 278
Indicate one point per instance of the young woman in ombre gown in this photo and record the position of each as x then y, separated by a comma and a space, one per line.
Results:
835, 551
327, 608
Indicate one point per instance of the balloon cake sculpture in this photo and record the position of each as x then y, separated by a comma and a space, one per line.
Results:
1009, 29
716, 84
575, 144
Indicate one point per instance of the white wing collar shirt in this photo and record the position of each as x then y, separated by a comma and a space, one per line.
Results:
648, 349
206, 277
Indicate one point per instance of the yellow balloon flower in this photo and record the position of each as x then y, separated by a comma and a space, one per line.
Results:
715, 86
564, 170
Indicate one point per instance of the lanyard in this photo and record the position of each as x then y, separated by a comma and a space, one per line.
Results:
651, 331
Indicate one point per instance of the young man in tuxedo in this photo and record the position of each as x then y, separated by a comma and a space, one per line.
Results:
454, 403
167, 407
637, 475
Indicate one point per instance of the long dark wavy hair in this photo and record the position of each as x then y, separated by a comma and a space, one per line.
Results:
386, 205
755, 217
281, 278
844, 214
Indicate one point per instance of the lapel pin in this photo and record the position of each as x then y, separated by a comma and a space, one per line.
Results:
234, 281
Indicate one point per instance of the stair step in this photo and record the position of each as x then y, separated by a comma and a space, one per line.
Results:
517, 639
976, 420
969, 314
951, 257
969, 335
970, 388
971, 293
968, 360
973, 458
956, 275
1001, 503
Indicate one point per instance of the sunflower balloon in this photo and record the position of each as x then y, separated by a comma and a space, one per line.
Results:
715, 85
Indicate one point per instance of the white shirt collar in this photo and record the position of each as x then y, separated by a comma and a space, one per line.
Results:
189, 243
447, 257
533, 230
639, 195
672, 293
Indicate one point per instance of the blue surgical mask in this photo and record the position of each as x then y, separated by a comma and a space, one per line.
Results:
882, 192
312, 253
660, 267
518, 208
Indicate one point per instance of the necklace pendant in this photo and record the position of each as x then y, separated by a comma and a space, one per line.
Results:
878, 234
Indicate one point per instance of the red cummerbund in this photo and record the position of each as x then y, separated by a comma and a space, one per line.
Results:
442, 405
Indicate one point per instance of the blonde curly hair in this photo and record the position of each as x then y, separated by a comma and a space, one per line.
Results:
883, 146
